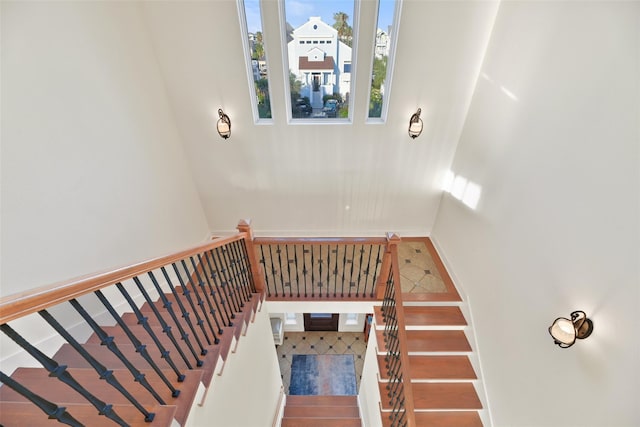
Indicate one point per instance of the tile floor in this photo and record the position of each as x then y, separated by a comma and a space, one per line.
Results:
418, 272
320, 343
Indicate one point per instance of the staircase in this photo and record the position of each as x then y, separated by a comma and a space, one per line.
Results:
178, 394
321, 411
442, 376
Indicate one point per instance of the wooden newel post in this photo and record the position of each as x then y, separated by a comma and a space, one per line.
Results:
392, 240
244, 226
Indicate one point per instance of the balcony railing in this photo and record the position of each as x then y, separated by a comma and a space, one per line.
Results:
323, 269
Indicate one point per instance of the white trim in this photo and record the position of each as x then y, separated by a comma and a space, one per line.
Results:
391, 59
244, 33
287, 70
476, 359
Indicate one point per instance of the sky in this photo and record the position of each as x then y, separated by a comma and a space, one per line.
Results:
299, 11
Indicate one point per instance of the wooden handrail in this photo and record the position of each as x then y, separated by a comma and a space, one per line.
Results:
34, 300
402, 338
319, 240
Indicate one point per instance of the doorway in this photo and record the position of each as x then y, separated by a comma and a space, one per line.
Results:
321, 321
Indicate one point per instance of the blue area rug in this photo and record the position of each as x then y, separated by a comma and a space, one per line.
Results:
323, 374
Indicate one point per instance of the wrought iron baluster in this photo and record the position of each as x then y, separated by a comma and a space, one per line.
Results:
305, 271
367, 271
242, 245
234, 274
313, 279
140, 348
53, 411
184, 313
218, 300
142, 320
360, 271
295, 254
353, 259
110, 343
344, 268
221, 297
227, 288
207, 295
329, 272
273, 270
103, 372
335, 274
243, 273
168, 331
376, 270
289, 261
168, 305
282, 281
186, 292
229, 266
199, 301
266, 274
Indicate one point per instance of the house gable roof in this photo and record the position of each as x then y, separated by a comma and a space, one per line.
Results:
315, 27
327, 64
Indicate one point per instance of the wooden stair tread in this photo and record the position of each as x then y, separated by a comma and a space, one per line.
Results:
430, 340
121, 338
26, 414
321, 422
321, 400
147, 310
434, 367
317, 411
439, 396
54, 390
67, 355
131, 320
442, 419
427, 316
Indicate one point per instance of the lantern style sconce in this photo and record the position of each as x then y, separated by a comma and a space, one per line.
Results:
224, 124
415, 124
565, 331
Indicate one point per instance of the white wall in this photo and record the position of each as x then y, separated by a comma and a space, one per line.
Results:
247, 392
93, 170
552, 137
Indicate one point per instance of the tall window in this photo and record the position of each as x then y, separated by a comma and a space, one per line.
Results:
251, 25
319, 37
383, 56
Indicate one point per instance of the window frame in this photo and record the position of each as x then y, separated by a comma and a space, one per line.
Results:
244, 31
391, 59
287, 70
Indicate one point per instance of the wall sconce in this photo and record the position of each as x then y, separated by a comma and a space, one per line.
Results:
224, 124
415, 124
565, 331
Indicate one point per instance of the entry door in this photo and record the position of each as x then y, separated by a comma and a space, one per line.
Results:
321, 321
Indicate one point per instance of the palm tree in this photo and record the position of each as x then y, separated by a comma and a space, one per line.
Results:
345, 32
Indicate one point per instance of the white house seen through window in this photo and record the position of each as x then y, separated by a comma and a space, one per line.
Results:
319, 37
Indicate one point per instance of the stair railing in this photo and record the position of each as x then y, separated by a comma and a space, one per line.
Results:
206, 286
399, 390
321, 268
